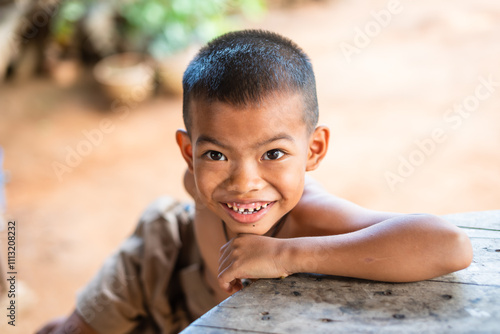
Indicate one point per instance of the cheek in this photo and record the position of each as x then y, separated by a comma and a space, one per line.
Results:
207, 179
290, 182
295, 186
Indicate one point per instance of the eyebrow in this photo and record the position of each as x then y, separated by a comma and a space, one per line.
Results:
206, 139
281, 136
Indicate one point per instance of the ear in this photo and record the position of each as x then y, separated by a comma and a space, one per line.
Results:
186, 147
318, 146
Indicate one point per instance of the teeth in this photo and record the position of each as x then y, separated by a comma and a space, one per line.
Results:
235, 207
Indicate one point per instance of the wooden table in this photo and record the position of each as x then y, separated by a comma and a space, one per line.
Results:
467, 301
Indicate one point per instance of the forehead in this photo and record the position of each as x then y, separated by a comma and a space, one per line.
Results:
277, 115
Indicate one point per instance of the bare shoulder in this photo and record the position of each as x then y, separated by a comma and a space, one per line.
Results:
322, 213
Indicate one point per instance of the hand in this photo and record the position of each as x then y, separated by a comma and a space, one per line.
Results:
52, 326
73, 324
250, 256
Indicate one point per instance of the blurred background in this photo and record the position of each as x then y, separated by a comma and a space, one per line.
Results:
90, 98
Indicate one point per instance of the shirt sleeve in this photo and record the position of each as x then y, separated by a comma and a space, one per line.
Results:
134, 279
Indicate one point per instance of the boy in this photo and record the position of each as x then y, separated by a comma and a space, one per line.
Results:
250, 112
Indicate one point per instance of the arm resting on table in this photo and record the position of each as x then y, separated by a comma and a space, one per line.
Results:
400, 249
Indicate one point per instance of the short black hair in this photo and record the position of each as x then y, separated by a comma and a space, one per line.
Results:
243, 67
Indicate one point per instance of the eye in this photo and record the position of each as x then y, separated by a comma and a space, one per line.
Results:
216, 156
273, 155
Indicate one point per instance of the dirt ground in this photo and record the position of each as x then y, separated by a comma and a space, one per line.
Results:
413, 107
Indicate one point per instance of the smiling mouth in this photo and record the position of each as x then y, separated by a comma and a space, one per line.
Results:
247, 209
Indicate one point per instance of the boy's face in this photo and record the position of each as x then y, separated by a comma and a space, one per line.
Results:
249, 163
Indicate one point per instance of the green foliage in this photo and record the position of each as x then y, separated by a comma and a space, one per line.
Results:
169, 25
160, 27
69, 13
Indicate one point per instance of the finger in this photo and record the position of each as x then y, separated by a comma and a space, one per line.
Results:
46, 329
236, 285
225, 286
226, 246
221, 278
223, 265
52, 326
223, 254
225, 260
226, 278
226, 257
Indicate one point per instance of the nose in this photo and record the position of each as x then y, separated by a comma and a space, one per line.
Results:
244, 178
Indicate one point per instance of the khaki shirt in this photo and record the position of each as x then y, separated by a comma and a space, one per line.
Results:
153, 283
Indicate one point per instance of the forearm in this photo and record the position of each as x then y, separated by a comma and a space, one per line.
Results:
404, 248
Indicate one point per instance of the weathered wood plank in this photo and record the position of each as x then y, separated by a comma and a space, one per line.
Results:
481, 233
302, 304
194, 328
477, 219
